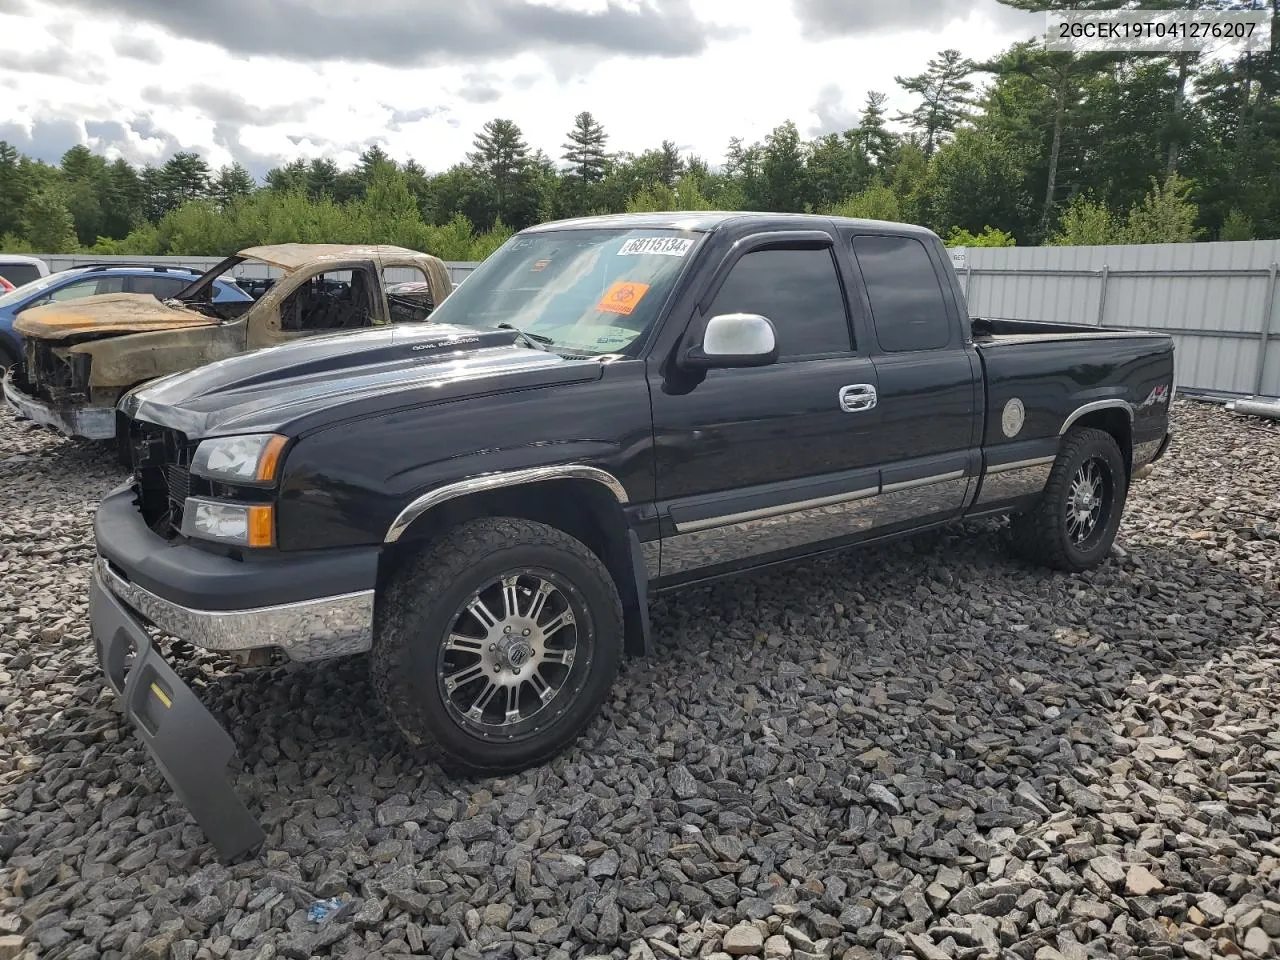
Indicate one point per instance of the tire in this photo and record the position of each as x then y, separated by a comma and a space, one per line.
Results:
424, 636
1046, 535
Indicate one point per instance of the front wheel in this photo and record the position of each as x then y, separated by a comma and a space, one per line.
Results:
1075, 521
497, 644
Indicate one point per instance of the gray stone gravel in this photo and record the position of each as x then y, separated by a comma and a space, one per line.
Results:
922, 750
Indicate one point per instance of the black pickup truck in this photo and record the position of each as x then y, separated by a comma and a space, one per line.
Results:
609, 407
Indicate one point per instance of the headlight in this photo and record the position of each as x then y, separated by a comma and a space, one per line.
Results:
245, 524
252, 459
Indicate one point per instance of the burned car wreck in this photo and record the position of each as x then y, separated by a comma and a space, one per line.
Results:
81, 357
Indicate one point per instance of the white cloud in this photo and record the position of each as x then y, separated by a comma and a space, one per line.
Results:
133, 75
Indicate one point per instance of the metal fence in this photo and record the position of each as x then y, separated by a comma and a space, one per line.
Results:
1218, 300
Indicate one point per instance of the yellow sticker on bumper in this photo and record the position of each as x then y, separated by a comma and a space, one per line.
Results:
161, 695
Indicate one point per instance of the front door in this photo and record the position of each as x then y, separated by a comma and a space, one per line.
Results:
756, 463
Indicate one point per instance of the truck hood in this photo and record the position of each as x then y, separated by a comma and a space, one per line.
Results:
105, 313
318, 381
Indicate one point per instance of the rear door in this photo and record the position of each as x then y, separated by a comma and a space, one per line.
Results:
928, 379
755, 463
158, 285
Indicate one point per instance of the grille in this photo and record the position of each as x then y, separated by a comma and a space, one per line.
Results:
179, 480
160, 468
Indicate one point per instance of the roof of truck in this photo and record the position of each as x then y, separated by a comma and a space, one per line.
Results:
290, 256
709, 220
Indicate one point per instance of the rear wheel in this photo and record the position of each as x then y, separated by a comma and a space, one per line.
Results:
496, 645
1075, 521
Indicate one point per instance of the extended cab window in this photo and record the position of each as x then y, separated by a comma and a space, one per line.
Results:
907, 305
409, 294
798, 290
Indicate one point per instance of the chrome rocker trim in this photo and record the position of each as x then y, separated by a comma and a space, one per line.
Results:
310, 630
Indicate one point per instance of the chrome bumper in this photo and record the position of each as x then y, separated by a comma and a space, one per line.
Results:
311, 630
91, 423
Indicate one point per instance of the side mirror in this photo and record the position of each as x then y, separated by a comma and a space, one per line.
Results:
733, 340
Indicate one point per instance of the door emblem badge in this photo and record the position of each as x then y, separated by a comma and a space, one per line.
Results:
1012, 419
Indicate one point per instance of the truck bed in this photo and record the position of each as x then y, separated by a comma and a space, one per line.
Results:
995, 331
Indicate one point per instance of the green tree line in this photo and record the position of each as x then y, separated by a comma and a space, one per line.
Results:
1030, 147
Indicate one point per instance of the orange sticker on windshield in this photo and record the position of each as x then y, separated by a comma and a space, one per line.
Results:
622, 297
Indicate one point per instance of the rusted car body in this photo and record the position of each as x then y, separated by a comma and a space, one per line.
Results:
82, 356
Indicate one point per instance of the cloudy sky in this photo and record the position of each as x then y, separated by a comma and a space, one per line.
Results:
262, 81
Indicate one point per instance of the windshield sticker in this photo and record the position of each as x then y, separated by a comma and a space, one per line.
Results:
622, 297
540, 265
663, 246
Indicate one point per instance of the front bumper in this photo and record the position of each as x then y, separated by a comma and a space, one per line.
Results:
311, 606
184, 739
140, 579
90, 423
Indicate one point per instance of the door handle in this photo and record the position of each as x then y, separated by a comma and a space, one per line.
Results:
856, 397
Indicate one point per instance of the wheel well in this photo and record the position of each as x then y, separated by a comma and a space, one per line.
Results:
1117, 423
584, 509
7, 356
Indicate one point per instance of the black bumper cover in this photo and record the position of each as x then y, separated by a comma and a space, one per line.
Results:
187, 743
185, 574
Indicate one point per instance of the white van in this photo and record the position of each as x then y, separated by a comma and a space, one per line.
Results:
19, 269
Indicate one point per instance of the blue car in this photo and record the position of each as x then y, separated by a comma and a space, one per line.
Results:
162, 282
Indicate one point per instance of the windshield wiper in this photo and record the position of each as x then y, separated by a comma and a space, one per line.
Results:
525, 333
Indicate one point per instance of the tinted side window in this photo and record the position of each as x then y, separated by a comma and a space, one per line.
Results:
74, 291
907, 304
109, 285
798, 290
19, 273
159, 287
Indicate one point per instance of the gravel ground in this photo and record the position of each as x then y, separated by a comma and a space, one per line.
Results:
925, 749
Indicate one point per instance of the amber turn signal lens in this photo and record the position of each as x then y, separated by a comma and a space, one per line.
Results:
269, 461
262, 526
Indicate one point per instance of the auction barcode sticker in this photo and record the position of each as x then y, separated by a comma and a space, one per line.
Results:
1157, 31
666, 246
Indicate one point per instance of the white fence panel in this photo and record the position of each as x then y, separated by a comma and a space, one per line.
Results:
1219, 301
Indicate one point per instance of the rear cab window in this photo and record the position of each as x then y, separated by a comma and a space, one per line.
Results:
908, 308
409, 293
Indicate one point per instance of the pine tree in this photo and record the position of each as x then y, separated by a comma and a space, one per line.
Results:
872, 133
944, 88
585, 149
501, 159
232, 183
184, 177
670, 167
15, 188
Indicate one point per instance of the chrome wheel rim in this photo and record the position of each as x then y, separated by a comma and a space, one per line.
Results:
1087, 503
510, 653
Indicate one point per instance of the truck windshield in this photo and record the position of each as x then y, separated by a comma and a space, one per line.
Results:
581, 291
